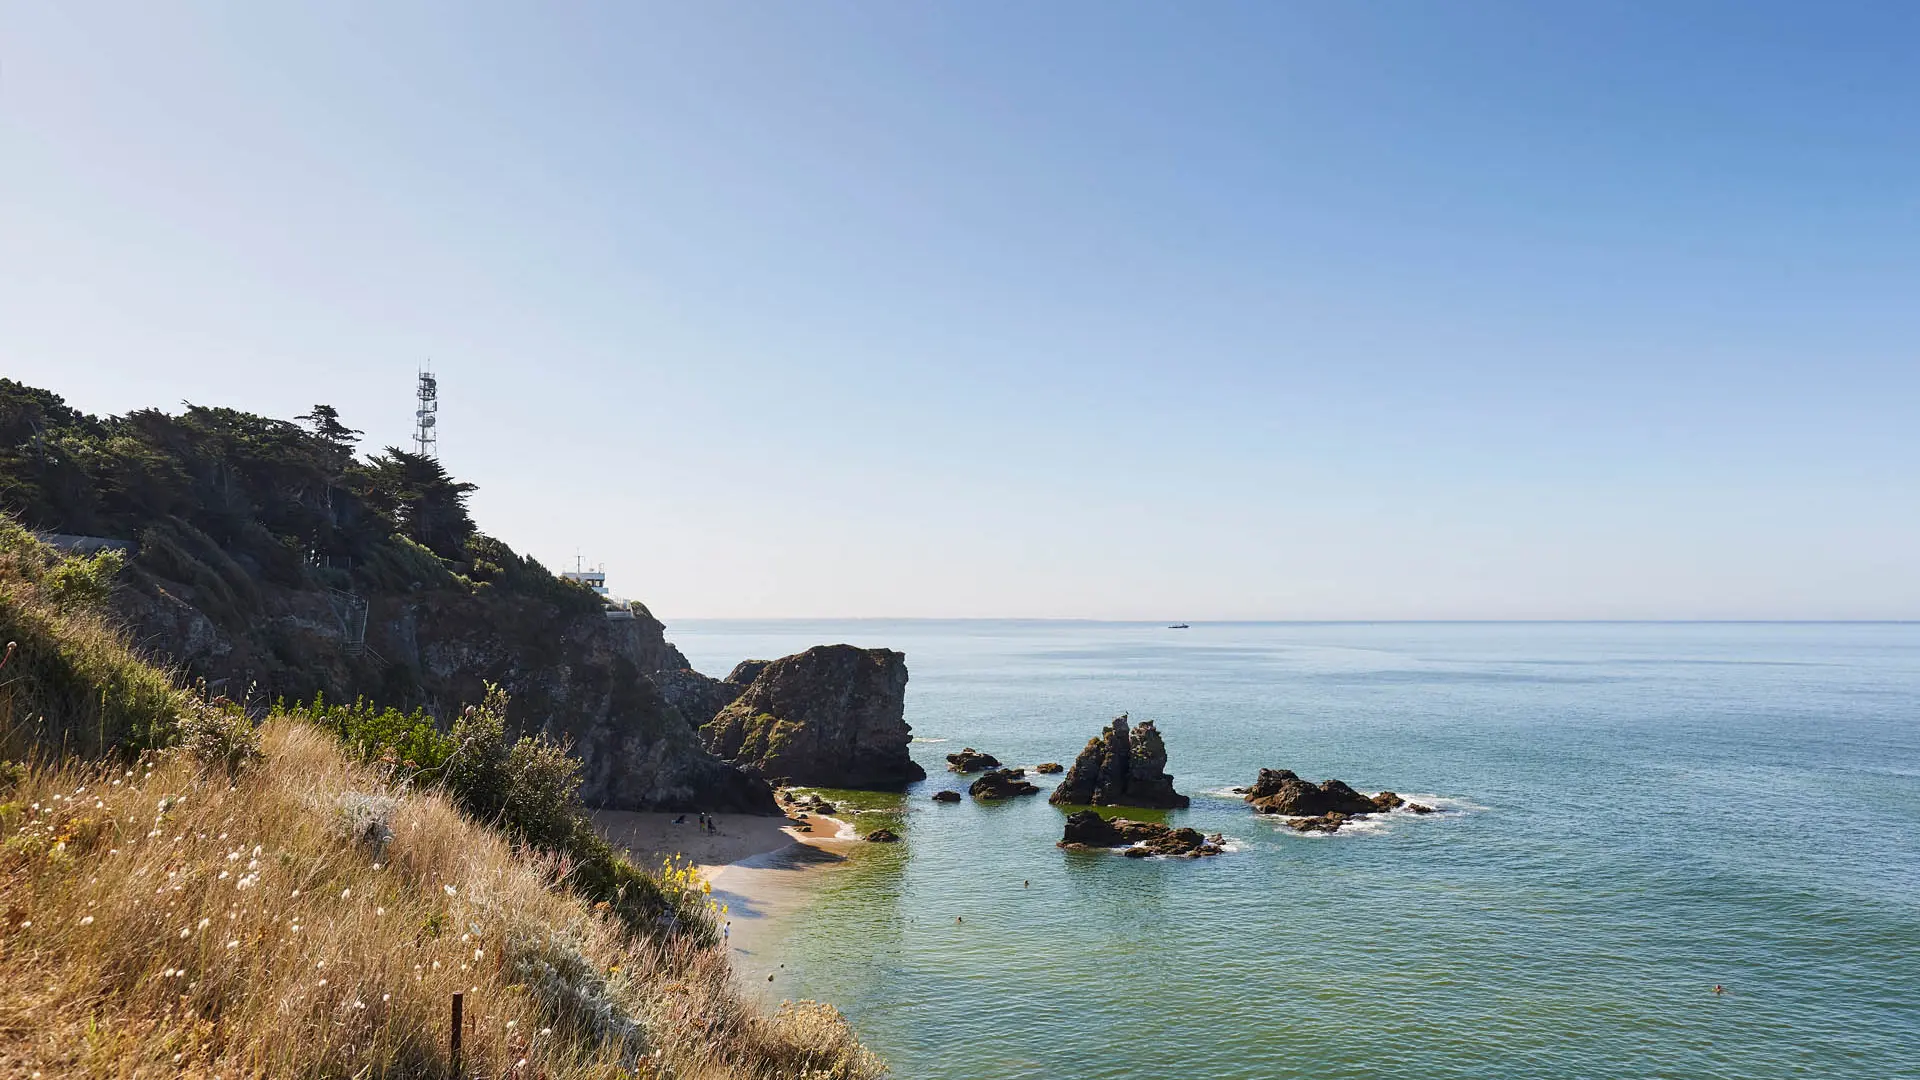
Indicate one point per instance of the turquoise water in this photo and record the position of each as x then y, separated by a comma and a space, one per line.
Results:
1637, 813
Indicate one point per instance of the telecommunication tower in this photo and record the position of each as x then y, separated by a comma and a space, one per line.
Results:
426, 417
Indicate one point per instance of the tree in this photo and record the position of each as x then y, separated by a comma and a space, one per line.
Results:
426, 504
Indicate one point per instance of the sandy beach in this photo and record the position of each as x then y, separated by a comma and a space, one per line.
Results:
649, 838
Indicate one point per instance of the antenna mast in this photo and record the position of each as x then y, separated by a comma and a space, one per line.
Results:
426, 416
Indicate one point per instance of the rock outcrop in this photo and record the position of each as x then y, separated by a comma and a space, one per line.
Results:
971, 760
1120, 767
831, 716
1049, 767
701, 697
1279, 791
577, 675
1319, 808
1087, 830
1002, 784
882, 836
946, 796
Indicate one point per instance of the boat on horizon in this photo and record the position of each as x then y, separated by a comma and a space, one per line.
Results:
1179, 626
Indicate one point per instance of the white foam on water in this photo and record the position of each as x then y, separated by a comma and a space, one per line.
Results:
932, 740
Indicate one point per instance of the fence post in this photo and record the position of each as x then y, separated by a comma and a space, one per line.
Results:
459, 1001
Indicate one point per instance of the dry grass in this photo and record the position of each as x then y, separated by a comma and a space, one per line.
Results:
300, 920
68, 680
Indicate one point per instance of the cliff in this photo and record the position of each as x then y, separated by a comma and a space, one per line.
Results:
832, 716
270, 561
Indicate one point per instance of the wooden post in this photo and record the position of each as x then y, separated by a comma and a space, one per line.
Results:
459, 1001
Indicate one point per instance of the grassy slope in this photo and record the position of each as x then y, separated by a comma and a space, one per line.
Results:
307, 917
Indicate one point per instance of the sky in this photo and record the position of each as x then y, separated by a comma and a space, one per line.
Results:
1118, 310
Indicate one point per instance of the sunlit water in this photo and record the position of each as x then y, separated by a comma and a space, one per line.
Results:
1639, 812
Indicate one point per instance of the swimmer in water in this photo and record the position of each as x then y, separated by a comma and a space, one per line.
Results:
1718, 989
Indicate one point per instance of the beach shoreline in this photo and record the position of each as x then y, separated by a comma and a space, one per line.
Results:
649, 838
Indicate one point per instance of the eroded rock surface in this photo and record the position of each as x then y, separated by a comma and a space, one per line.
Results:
971, 760
1087, 830
1122, 766
1002, 784
832, 716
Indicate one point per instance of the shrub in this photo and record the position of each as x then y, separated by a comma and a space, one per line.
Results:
220, 736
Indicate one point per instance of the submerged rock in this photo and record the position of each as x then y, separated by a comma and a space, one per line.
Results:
1120, 767
1002, 784
1086, 830
1327, 823
1419, 808
946, 796
881, 836
971, 760
833, 716
1049, 767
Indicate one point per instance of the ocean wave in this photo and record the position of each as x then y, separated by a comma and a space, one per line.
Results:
919, 740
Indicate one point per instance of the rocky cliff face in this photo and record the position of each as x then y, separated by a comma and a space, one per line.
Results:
1121, 767
579, 676
832, 716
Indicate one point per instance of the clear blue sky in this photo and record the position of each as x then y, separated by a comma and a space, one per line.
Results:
1255, 310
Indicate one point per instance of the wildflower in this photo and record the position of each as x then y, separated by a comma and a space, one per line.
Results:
376, 866
233, 856
256, 851
323, 982
344, 893
204, 923
222, 877
450, 890
319, 963
543, 1033
511, 1024
296, 894
234, 944
86, 920
185, 933
379, 911
477, 954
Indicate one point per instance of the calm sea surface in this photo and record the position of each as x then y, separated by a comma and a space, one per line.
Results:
1636, 812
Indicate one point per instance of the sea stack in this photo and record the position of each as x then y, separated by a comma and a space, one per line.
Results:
1120, 767
832, 716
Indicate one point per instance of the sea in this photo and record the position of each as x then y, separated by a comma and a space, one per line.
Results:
1632, 814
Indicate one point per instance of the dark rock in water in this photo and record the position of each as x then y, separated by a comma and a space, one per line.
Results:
1002, 784
881, 836
1241, 790
1386, 801
1326, 823
946, 796
1049, 767
824, 806
832, 715
971, 760
1419, 808
1086, 829
1279, 791
1120, 767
